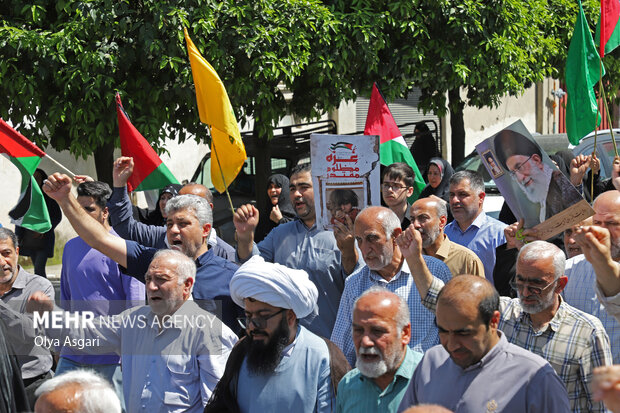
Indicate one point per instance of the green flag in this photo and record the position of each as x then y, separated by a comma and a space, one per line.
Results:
582, 73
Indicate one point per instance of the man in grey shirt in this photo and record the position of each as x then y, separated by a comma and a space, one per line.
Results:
16, 285
475, 369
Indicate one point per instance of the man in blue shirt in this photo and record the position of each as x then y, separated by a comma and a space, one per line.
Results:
189, 220
376, 230
121, 213
328, 257
385, 364
472, 228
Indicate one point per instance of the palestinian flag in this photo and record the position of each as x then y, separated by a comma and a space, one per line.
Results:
149, 171
30, 211
608, 30
392, 147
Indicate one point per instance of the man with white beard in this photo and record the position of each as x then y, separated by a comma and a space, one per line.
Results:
385, 364
376, 229
538, 181
539, 320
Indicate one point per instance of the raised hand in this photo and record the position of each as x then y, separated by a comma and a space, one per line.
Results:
122, 170
275, 214
578, 168
245, 220
80, 179
606, 386
57, 186
410, 243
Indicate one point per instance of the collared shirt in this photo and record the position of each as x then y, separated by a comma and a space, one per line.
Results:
213, 276
424, 334
360, 394
482, 237
611, 304
580, 292
33, 360
89, 280
300, 383
507, 379
459, 259
174, 368
121, 218
314, 250
573, 343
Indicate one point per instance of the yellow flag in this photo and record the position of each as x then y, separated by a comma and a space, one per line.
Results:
227, 149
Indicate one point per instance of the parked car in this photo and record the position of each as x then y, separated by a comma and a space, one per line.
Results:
604, 149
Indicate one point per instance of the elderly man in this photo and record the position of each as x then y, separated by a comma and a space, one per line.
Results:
327, 257
581, 289
472, 228
16, 284
121, 214
376, 229
538, 320
476, 369
172, 352
280, 365
538, 181
385, 364
429, 216
89, 281
189, 220
78, 391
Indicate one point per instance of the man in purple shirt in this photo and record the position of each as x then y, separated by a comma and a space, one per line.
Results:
91, 281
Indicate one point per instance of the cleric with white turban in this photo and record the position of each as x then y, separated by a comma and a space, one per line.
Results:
276, 285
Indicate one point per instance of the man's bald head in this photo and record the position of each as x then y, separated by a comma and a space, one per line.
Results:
471, 293
467, 317
77, 391
197, 189
384, 216
607, 215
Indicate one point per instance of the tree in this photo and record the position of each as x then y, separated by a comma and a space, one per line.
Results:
487, 49
62, 61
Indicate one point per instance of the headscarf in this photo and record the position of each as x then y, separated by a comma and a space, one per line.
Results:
276, 285
443, 189
265, 224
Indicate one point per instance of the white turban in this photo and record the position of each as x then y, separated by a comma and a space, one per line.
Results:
276, 285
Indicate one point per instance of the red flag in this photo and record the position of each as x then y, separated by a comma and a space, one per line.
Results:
15, 144
149, 171
610, 13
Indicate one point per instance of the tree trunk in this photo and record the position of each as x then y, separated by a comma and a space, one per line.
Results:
263, 169
457, 125
104, 158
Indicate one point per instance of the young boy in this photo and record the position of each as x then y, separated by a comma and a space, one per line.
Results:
397, 185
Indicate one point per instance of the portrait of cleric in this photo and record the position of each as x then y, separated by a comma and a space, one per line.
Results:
535, 174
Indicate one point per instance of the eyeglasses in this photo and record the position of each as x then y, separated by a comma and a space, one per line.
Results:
386, 186
513, 173
259, 322
535, 290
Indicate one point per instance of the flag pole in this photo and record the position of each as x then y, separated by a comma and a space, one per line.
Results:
60, 165
232, 208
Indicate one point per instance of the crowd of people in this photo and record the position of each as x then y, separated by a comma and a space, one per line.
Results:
423, 306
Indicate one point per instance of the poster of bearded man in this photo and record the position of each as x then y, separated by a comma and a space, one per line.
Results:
532, 185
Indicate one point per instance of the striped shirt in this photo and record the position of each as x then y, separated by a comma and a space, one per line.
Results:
424, 334
573, 343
